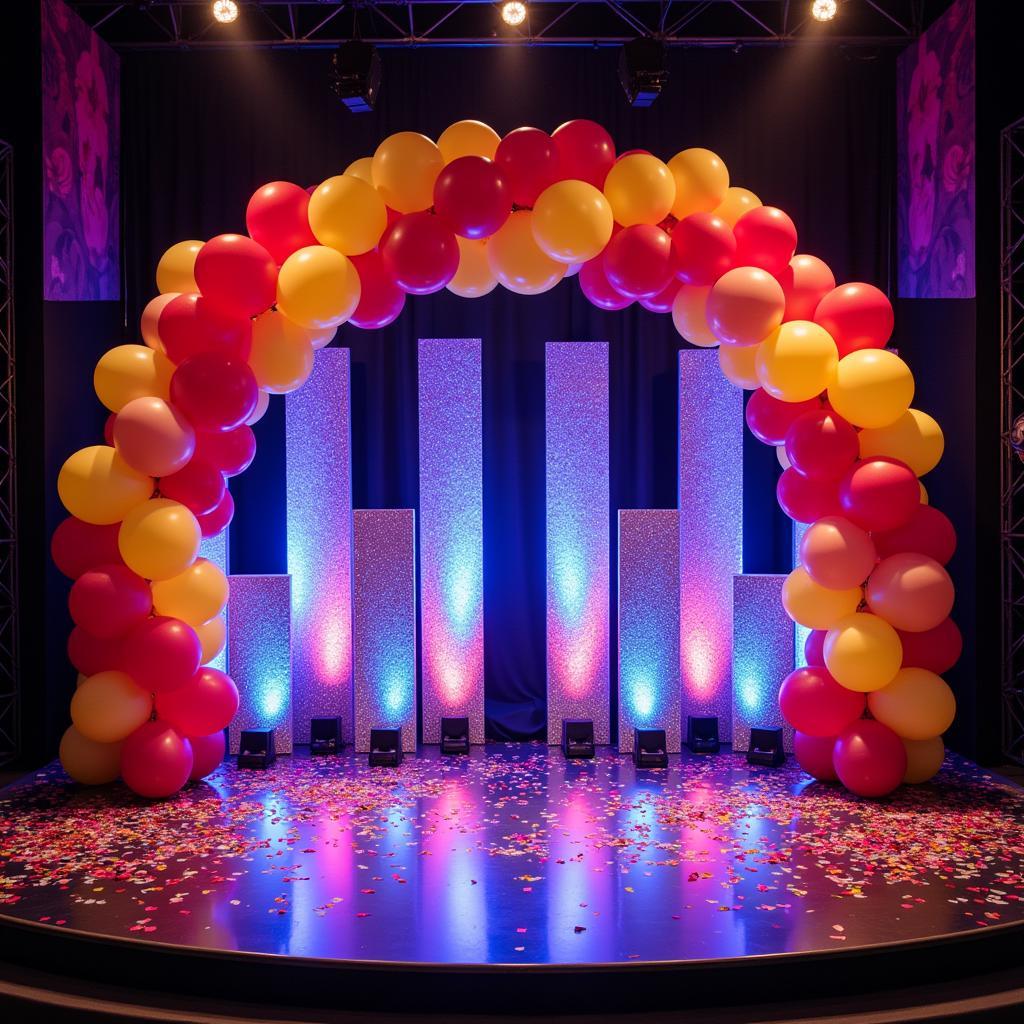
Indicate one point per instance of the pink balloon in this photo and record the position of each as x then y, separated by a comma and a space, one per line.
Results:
190, 324
813, 702
109, 600
231, 451
662, 302
215, 522
638, 260
77, 546
199, 487
814, 755
204, 704
598, 289
380, 299
937, 649
910, 591
585, 151
91, 654
153, 437
857, 315
237, 275
806, 500
765, 238
472, 196
769, 418
869, 758
805, 282
155, 760
928, 532
704, 248
814, 647
821, 444
529, 160
879, 494
161, 654
421, 254
207, 754
277, 218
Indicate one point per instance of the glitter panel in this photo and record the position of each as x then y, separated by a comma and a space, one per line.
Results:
319, 491
710, 532
216, 550
649, 624
260, 656
799, 632
577, 504
451, 534
384, 623
762, 656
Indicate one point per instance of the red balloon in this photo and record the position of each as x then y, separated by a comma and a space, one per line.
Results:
869, 758
928, 532
857, 315
421, 253
109, 600
161, 654
937, 650
207, 702
814, 647
704, 248
214, 392
189, 324
805, 282
662, 301
529, 160
765, 238
219, 519
814, 755
472, 196
807, 500
231, 451
198, 486
813, 702
598, 289
108, 428
380, 299
77, 546
585, 151
156, 760
879, 494
237, 275
276, 217
638, 260
207, 754
821, 444
91, 654
769, 418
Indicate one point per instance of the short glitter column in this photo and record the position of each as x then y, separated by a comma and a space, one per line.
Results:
215, 549
384, 623
577, 506
800, 633
318, 451
649, 624
762, 656
451, 534
710, 532
260, 656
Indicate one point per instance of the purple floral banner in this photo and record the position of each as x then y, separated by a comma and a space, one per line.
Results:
935, 175
81, 137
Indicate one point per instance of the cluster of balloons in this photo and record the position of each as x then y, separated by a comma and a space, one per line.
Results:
239, 317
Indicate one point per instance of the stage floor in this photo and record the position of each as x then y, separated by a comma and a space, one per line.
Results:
514, 856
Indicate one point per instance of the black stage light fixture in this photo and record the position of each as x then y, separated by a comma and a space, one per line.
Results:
355, 75
702, 734
766, 748
385, 748
649, 748
257, 748
577, 737
454, 735
642, 71
325, 735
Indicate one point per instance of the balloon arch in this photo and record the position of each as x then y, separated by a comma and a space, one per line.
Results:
239, 317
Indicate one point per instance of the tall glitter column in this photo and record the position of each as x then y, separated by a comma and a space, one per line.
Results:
451, 534
260, 656
384, 623
318, 450
215, 549
649, 624
577, 504
710, 532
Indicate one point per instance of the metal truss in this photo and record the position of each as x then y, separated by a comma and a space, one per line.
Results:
291, 24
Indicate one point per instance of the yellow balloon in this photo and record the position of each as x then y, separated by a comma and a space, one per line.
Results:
863, 652
89, 762
98, 486
872, 388
194, 596
797, 361
737, 202
702, 181
689, 315
924, 492
282, 354
518, 262
405, 167
213, 636
474, 276
318, 287
917, 704
176, 270
159, 539
108, 706
262, 404
640, 190
361, 169
739, 364
572, 221
127, 372
924, 759
347, 214
468, 138
815, 606
915, 438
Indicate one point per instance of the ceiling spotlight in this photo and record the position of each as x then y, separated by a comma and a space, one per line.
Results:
642, 71
355, 75
824, 10
225, 11
513, 13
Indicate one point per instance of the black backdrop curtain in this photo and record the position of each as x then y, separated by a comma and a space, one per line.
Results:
810, 130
